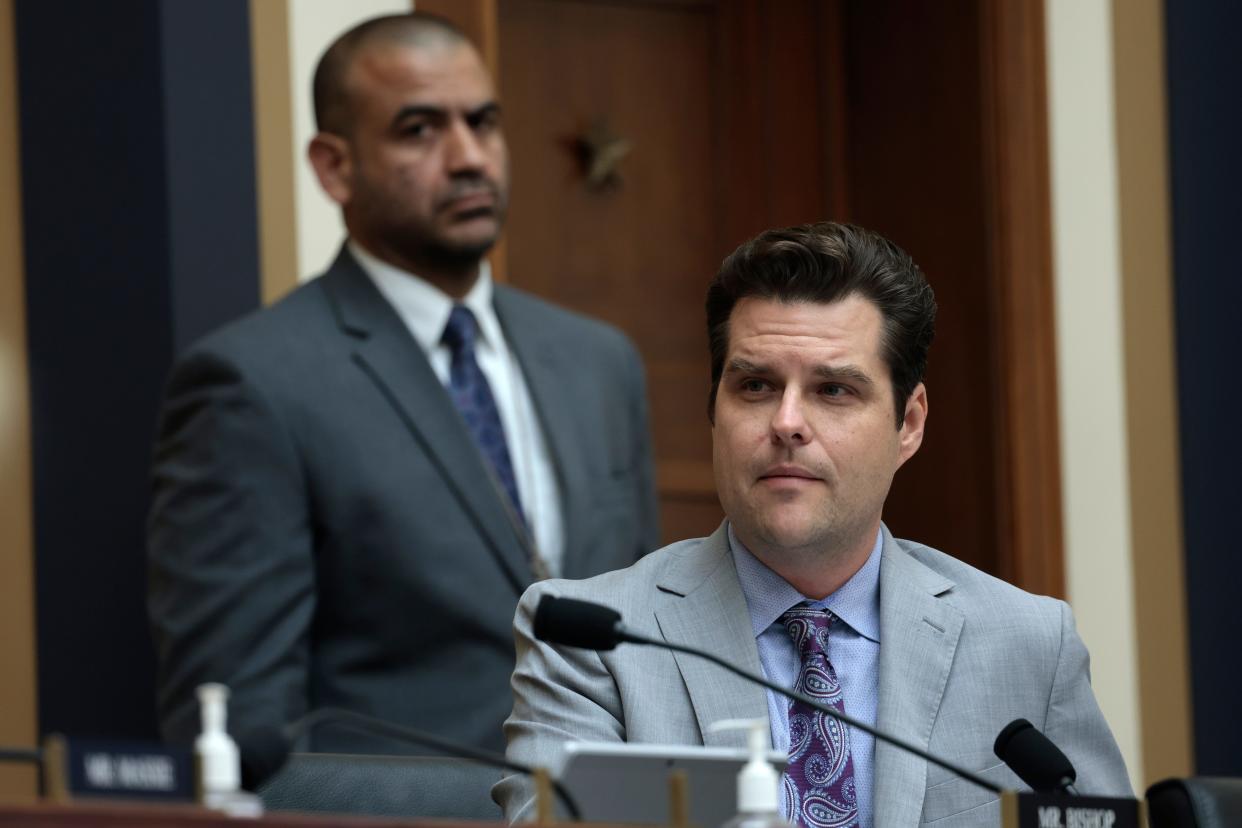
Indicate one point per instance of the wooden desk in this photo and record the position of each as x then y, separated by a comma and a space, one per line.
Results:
189, 816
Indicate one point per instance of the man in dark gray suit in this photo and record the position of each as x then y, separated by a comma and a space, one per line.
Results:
353, 487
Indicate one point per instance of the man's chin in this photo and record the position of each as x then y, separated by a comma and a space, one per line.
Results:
461, 250
779, 535
472, 238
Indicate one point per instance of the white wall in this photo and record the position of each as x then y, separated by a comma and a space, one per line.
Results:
1091, 381
313, 24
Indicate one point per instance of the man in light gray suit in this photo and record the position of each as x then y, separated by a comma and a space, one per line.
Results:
819, 337
353, 487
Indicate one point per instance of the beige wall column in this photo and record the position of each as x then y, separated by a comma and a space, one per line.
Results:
275, 166
1151, 389
1124, 556
300, 228
1120, 454
1088, 286
18, 713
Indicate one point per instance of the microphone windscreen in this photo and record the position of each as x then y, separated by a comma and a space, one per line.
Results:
576, 623
1033, 757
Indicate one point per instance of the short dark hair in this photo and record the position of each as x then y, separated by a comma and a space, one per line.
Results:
825, 263
415, 29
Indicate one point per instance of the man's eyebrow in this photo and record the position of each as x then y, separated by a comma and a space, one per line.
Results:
851, 373
440, 113
489, 108
738, 365
848, 373
418, 111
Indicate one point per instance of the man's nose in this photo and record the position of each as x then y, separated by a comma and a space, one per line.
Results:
465, 150
789, 424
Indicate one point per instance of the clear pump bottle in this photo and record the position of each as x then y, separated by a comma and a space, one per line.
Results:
758, 783
219, 763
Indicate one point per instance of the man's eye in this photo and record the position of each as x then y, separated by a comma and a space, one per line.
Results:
485, 121
416, 129
754, 386
833, 389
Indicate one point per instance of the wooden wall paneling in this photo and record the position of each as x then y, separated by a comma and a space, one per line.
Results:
638, 253
744, 115
740, 137
915, 142
833, 101
1019, 245
794, 158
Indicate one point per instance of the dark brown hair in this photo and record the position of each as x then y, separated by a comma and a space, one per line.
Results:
825, 263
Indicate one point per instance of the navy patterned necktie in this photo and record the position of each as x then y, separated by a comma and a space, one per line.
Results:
473, 397
819, 780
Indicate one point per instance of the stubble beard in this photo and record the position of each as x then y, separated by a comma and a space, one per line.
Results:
827, 539
416, 242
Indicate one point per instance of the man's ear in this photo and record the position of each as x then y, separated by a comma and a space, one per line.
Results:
333, 164
910, 433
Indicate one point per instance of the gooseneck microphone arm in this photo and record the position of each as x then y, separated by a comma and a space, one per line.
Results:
635, 638
589, 626
341, 717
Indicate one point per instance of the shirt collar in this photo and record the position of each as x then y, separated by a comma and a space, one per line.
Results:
768, 595
423, 307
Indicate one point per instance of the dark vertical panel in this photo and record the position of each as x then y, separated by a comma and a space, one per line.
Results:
213, 216
1205, 139
139, 232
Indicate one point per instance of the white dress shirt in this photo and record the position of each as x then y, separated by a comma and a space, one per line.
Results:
425, 310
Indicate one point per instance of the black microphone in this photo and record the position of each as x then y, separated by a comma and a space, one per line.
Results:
578, 624
1034, 758
266, 749
591, 626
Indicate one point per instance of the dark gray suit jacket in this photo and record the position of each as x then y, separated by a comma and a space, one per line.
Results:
324, 531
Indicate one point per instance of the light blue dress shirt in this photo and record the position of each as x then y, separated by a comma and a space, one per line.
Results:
853, 648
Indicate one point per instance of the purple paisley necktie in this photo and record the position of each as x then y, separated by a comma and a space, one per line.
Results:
819, 780
473, 397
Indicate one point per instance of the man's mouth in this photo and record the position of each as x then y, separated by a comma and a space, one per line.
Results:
478, 202
470, 199
786, 472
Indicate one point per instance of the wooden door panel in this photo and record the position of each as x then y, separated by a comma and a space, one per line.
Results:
744, 115
638, 253
916, 178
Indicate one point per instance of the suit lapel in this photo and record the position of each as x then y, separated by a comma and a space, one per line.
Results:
706, 609
919, 631
546, 369
388, 354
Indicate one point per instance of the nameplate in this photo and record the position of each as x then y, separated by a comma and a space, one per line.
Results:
87, 769
1034, 810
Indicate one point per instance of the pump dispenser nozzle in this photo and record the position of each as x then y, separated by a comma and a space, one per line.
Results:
758, 783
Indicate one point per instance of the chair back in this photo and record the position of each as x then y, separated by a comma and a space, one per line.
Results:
390, 786
1195, 802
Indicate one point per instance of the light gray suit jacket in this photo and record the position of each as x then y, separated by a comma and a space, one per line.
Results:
324, 530
961, 655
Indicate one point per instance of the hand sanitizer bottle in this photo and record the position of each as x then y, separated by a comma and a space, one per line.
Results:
758, 783
219, 763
